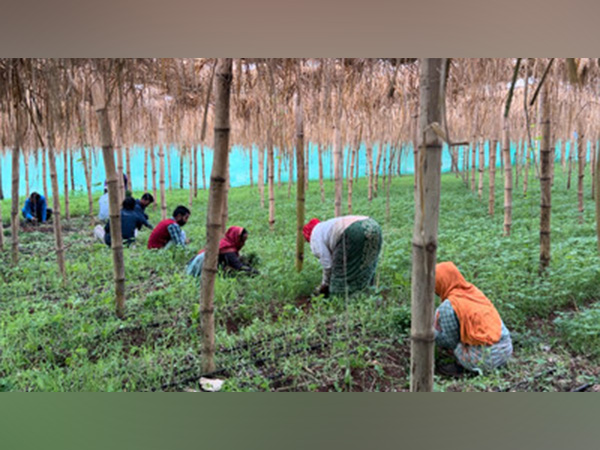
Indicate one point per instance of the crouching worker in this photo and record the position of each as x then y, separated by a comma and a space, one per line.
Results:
348, 249
229, 255
468, 324
35, 209
168, 232
131, 222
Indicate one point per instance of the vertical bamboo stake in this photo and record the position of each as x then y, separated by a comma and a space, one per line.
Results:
380, 152
321, 182
570, 169
146, 156
473, 164
161, 162
492, 152
66, 183
98, 95
518, 158
545, 179
250, 151
119, 149
425, 228
271, 175
167, 150
526, 169
84, 161
128, 167
215, 202
300, 199
190, 174
72, 171
508, 184
153, 172
597, 200
481, 167
466, 167
307, 167
45, 173
338, 151
291, 174
592, 166
14, 211
225, 207
181, 156
56, 222
203, 168
350, 177
26, 161
261, 174
369, 168
581, 156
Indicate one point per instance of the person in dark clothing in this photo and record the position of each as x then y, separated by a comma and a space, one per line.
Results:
142, 203
230, 260
131, 221
35, 209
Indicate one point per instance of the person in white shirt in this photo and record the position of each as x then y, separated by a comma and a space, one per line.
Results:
103, 203
348, 249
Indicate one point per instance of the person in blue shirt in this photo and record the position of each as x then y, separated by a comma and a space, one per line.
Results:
131, 222
35, 209
141, 204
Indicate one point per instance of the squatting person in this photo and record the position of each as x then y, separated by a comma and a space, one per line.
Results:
468, 324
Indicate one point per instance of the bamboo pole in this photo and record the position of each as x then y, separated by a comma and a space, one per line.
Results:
26, 161
14, 211
545, 179
161, 162
321, 182
146, 156
190, 149
128, 167
425, 228
261, 174
481, 168
338, 151
581, 156
473, 164
597, 199
300, 197
250, 152
527, 152
271, 175
492, 174
72, 171
56, 222
508, 182
218, 180
84, 161
570, 169
98, 95
66, 184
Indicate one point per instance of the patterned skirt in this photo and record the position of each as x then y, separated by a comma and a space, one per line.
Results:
355, 257
477, 358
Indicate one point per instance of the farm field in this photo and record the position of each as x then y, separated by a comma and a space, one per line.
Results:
271, 333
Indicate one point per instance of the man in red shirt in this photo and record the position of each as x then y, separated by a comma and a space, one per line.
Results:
168, 232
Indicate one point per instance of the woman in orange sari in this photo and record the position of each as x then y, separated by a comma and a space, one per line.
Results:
468, 323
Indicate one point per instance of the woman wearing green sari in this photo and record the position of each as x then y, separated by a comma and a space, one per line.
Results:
348, 249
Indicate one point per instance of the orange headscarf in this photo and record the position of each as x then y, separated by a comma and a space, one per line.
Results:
480, 323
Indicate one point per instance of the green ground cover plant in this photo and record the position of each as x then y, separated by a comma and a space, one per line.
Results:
271, 333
